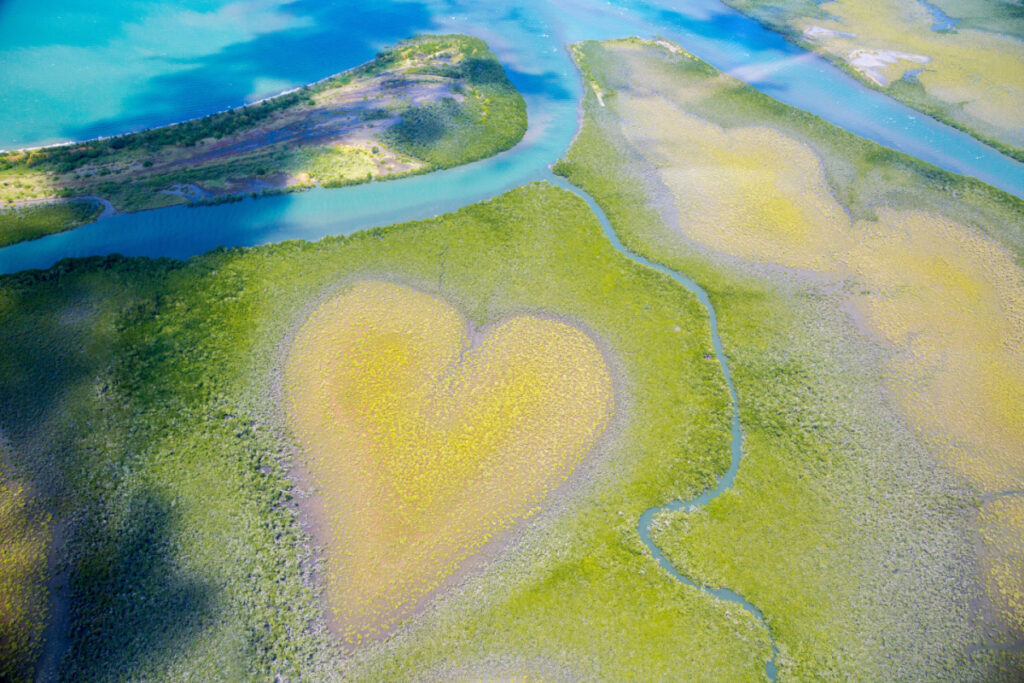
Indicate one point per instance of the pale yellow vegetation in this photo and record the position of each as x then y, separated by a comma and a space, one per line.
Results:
341, 163
948, 300
982, 70
952, 302
423, 446
751, 192
1002, 527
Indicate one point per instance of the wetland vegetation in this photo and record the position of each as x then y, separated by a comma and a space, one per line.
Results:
960, 62
421, 451
187, 552
24, 545
427, 103
31, 220
801, 234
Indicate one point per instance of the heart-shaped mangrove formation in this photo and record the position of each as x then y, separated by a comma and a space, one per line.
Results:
425, 440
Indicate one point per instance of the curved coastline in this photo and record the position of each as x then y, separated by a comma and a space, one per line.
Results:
548, 80
326, 210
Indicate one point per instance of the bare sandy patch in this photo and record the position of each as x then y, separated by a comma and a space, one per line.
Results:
878, 65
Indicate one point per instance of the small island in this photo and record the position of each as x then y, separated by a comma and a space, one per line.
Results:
428, 103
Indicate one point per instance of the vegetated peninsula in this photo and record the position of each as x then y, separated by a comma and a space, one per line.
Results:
959, 62
428, 103
431, 451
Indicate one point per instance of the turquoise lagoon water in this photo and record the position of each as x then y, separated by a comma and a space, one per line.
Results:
73, 69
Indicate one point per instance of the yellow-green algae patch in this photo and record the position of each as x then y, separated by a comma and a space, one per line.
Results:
423, 447
1002, 528
843, 283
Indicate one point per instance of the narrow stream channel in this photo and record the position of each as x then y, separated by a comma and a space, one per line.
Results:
736, 444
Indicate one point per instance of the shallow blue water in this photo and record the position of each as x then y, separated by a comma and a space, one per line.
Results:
73, 69
77, 69
940, 20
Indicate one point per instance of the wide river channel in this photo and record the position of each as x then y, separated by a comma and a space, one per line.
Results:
74, 71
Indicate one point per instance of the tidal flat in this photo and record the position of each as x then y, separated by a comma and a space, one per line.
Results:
847, 279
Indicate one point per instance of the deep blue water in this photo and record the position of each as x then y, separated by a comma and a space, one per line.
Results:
76, 69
